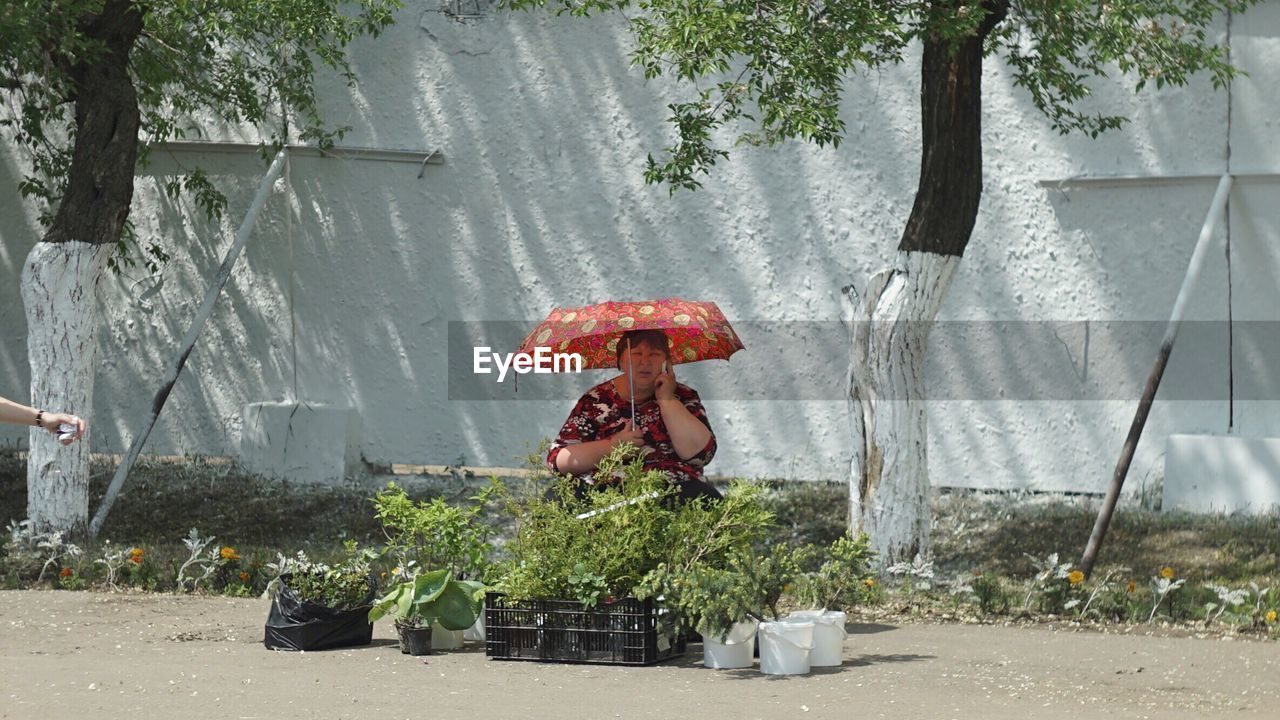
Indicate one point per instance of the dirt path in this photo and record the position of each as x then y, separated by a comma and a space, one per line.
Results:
97, 656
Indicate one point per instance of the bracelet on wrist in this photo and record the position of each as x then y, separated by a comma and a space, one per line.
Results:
40, 418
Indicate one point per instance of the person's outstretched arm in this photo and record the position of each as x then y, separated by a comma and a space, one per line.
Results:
15, 414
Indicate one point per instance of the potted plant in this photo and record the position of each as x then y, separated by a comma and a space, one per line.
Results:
436, 535
315, 605
827, 589
431, 599
727, 602
575, 583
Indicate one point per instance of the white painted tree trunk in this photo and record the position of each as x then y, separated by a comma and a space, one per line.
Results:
58, 284
889, 481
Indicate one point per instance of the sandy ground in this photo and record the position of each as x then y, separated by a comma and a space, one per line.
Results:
97, 656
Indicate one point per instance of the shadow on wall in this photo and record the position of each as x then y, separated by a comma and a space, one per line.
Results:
345, 296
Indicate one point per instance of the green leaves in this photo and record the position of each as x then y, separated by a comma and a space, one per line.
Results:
433, 596
435, 533
198, 63
767, 72
838, 580
603, 543
586, 587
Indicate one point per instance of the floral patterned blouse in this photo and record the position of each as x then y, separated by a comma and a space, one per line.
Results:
603, 411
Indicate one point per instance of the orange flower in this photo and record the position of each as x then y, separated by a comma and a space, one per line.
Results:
66, 572
244, 577
1167, 573
135, 555
230, 554
1075, 577
1131, 587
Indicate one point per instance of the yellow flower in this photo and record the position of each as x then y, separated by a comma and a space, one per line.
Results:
135, 555
229, 553
1271, 616
1075, 577
869, 582
1166, 573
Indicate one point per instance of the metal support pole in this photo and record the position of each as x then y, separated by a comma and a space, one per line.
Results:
189, 340
1153, 380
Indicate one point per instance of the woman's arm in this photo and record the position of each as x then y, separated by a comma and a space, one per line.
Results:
13, 413
689, 434
579, 445
582, 457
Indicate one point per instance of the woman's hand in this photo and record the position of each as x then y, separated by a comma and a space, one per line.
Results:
51, 421
664, 387
628, 435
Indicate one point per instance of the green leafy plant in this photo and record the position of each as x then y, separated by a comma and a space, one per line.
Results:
432, 597
712, 598
838, 581
620, 533
989, 594
28, 550
345, 586
435, 534
587, 587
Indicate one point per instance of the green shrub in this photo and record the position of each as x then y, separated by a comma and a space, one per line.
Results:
611, 538
435, 535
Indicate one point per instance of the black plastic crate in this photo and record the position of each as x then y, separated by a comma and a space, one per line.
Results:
623, 632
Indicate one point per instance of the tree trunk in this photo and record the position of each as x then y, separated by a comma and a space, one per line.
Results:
889, 482
62, 271
58, 283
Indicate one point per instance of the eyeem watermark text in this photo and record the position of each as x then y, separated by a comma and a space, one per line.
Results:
541, 361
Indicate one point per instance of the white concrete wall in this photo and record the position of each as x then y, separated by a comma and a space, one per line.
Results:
541, 202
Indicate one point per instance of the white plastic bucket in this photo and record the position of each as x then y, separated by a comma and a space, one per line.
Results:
828, 636
475, 632
442, 639
785, 646
734, 650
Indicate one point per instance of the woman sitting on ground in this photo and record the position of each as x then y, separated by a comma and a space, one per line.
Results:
670, 426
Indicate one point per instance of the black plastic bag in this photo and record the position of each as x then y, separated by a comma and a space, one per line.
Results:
297, 624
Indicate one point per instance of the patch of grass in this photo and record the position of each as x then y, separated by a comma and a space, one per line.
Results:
813, 513
162, 500
996, 533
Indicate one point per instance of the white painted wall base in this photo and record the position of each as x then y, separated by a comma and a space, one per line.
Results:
301, 442
1208, 473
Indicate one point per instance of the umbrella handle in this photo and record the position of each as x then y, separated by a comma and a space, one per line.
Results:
631, 385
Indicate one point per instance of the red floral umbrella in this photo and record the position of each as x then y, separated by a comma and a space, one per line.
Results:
695, 330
